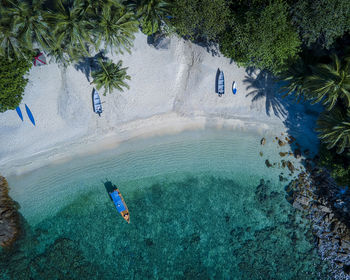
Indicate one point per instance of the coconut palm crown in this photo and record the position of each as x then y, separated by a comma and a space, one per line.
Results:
334, 129
110, 76
115, 27
153, 11
329, 83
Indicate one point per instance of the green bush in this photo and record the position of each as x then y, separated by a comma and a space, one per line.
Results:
12, 82
148, 27
263, 38
338, 165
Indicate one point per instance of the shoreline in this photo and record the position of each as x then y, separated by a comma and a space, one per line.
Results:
159, 125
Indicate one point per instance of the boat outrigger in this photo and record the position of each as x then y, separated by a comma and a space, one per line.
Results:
120, 204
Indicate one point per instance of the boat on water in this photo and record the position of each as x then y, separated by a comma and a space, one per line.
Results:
96, 102
120, 204
19, 112
30, 115
221, 83
234, 87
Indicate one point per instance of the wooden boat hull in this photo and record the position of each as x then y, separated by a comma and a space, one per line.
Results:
120, 204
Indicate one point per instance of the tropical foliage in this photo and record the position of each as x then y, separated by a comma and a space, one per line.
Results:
327, 83
115, 28
12, 82
330, 82
200, 20
110, 76
151, 14
265, 39
334, 129
321, 22
338, 164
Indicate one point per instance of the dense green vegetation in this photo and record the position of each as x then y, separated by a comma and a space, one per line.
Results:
12, 82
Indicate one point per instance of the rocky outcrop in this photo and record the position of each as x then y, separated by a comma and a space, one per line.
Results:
327, 206
9, 218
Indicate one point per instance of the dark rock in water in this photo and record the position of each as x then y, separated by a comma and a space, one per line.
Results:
149, 242
9, 217
317, 195
261, 191
261, 154
281, 143
283, 154
346, 268
297, 153
63, 260
290, 166
307, 152
267, 163
227, 218
263, 141
290, 139
195, 238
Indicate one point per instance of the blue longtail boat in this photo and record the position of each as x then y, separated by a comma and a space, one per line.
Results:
120, 204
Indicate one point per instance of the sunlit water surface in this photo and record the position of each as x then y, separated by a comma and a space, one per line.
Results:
203, 205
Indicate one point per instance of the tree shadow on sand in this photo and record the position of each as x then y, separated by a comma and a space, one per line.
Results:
263, 85
88, 64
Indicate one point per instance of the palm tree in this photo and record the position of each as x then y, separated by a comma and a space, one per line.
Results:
110, 76
293, 80
329, 83
152, 11
334, 129
30, 23
71, 28
116, 27
11, 44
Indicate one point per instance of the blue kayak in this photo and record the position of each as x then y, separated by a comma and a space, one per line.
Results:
234, 88
19, 112
30, 115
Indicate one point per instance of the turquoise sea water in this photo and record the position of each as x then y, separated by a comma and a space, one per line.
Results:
203, 206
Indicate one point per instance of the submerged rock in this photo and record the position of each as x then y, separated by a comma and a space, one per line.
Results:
317, 195
263, 141
267, 163
9, 218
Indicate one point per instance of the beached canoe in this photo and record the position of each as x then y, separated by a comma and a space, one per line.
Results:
234, 87
30, 115
96, 102
221, 83
120, 204
19, 112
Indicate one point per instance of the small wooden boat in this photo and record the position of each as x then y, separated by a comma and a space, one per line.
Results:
120, 204
96, 102
221, 83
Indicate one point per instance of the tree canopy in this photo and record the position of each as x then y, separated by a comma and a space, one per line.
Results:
265, 39
321, 21
12, 82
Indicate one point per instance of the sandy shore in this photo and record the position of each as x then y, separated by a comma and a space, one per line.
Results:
172, 89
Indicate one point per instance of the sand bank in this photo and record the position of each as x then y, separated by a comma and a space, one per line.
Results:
171, 89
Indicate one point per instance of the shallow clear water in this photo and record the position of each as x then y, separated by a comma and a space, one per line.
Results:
203, 206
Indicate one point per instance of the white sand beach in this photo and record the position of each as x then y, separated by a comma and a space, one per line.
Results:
171, 89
